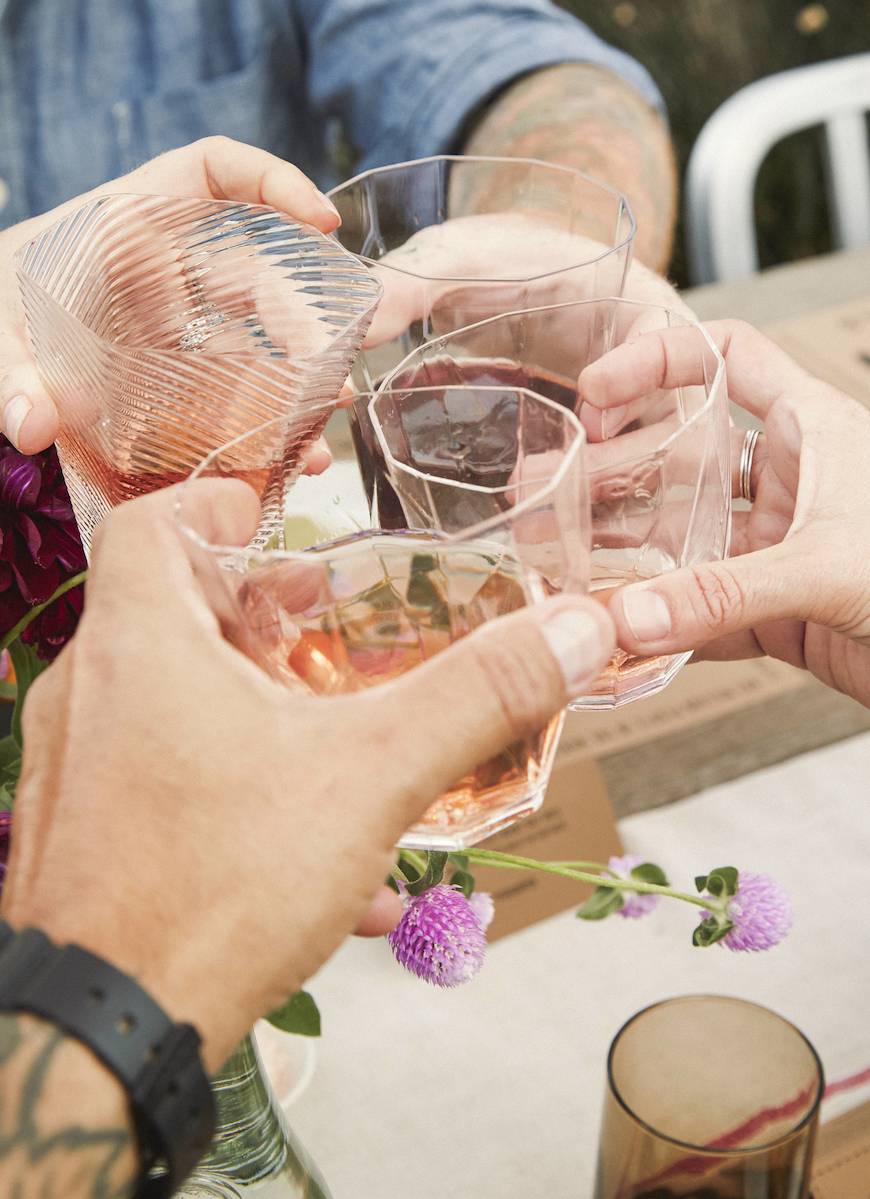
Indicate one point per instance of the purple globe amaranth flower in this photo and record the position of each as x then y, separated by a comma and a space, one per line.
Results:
40, 547
483, 906
633, 906
439, 938
761, 912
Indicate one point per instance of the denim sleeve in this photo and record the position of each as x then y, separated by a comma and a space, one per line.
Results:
403, 75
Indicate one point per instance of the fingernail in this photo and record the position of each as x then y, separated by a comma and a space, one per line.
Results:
611, 419
646, 614
575, 640
327, 203
14, 415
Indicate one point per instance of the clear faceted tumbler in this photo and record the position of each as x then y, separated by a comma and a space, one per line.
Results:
709, 1097
163, 327
457, 239
334, 604
658, 464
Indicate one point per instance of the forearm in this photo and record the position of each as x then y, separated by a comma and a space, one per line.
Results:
64, 1120
587, 117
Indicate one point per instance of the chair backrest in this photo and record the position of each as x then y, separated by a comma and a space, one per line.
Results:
724, 163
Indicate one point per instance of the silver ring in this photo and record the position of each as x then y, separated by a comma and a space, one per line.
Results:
750, 441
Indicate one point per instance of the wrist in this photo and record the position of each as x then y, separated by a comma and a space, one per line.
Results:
171, 974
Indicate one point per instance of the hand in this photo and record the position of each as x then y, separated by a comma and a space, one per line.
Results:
214, 168
431, 276
213, 832
798, 587
435, 272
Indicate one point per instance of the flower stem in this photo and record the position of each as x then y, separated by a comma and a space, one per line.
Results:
16, 630
417, 860
489, 857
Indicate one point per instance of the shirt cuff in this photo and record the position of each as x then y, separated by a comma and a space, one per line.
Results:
485, 67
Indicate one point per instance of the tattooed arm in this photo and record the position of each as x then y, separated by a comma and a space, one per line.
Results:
586, 117
64, 1122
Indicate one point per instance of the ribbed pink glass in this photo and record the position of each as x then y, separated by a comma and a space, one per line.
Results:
164, 327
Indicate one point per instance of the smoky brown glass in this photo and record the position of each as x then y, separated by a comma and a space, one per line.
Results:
709, 1097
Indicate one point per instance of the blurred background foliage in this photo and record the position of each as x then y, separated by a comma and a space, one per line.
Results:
701, 51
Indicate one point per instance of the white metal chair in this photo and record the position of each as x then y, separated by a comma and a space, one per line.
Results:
724, 164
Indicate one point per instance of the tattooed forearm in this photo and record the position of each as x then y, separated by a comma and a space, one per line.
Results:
586, 117
64, 1130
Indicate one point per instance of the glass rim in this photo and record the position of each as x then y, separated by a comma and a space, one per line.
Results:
364, 277
578, 440
708, 1151
714, 386
598, 184
471, 533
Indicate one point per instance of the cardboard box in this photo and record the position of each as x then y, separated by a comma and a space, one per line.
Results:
576, 823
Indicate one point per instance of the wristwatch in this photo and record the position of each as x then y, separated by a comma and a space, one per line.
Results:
156, 1061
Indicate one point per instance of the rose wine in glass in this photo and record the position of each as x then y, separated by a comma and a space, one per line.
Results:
401, 602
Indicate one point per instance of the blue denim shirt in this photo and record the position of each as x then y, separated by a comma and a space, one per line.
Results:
91, 88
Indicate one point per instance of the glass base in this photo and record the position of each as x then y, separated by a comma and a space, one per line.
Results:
471, 819
478, 830
628, 680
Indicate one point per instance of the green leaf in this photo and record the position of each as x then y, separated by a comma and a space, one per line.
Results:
10, 754
27, 666
459, 860
7, 690
709, 931
602, 902
715, 886
728, 876
7, 797
648, 872
701, 882
298, 1015
408, 868
432, 875
464, 881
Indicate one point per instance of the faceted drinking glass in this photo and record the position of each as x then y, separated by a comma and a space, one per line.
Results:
457, 239
334, 604
659, 468
163, 327
709, 1097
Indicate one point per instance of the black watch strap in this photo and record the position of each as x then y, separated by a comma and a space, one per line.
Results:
157, 1062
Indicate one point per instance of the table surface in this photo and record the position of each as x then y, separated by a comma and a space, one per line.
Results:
494, 1090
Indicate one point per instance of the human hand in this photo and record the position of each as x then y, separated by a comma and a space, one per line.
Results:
471, 267
213, 168
798, 587
207, 829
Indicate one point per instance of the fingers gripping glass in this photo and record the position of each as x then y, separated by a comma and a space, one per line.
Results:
334, 604
658, 455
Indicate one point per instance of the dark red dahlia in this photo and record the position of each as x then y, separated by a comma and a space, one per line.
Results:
40, 547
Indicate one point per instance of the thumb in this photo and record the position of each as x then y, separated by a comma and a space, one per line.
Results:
684, 609
27, 415
501, 683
